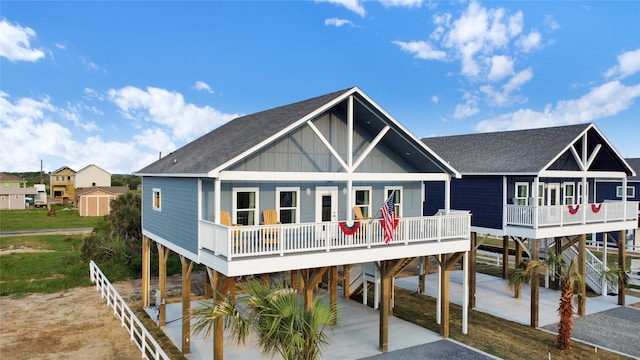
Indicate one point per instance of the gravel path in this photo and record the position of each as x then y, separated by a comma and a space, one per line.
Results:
441, 349
616, 329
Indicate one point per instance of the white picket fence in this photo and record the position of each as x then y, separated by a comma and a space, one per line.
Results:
138, 333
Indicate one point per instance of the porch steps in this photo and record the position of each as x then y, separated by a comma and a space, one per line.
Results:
595, 270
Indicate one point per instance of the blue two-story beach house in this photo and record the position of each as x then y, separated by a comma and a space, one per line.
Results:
279, 191
536, 187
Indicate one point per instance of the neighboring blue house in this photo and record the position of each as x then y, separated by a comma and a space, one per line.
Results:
537, 187
612, 190
309, 163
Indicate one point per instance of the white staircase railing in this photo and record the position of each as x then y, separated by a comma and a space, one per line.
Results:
595, 270
138, 333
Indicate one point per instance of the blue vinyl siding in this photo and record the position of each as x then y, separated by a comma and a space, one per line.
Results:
177, 222
607, 191
481, 195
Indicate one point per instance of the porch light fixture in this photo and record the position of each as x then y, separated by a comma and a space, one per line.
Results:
308, 191
344, 191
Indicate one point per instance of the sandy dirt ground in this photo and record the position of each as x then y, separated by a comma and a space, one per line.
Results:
74, 324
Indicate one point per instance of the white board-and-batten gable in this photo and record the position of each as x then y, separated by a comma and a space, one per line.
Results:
330, 137
92, 176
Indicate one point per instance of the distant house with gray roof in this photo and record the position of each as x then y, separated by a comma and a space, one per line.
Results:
14, 192
536, 188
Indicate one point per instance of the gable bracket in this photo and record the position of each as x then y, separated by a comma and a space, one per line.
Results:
328, 145
371, 146
578, 158
593, 155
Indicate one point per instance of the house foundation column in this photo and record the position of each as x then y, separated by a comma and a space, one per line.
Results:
333, 288
472, 270
505, 257
187, 267
535, 284
163, 255
146, 271
346, 281
582, 270
622, 264
518, 290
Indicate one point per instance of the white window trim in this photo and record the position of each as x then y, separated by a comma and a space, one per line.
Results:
234, 203
564, 193
297, 207
579, 193
515, 190
153, 199
630, 194
398, 203
361, 188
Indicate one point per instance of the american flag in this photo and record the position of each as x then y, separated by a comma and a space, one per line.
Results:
388, 217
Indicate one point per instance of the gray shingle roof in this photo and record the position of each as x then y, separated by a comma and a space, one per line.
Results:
635, 165
519, 151
233, 138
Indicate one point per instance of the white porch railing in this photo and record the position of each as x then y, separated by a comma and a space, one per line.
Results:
138, 333
561, 215
281, 239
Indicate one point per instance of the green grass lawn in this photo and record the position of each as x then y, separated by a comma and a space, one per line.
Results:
37, 219
41, 264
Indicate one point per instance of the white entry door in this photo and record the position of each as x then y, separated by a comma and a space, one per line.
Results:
326, 209
553, 194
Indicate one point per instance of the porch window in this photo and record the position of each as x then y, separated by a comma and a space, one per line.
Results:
541, 194
522, 193
631, 191
245, 206
579, 196
157, 199
569, 193
397, 198
287, 200
362, 199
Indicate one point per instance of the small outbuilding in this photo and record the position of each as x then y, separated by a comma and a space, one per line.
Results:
96, 201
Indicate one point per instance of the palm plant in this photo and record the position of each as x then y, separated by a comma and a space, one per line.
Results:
569, 278
276, 315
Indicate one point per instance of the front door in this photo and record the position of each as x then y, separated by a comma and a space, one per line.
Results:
553, 194
326, 209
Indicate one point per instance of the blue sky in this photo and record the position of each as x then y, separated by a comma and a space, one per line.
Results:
115, 83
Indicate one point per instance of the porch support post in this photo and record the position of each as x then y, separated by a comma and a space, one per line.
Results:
558, 251
207, 286
146, 271
312, 278
447, 196
216, 281
582, 270
622, 263
535, 195
466, 292
333, 288
422, 282
187, 267
163, 255
624, 203
346, 281
535, 284
518, 289
605, 286
505, 257
472, 270
384, 308
216, 202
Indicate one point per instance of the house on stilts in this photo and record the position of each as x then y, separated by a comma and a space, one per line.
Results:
276, 192
536, 188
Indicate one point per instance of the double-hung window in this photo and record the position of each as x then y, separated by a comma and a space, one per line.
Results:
245, 206
157, 199
287, 205
362, 199
397, 190
569, 193
522, 193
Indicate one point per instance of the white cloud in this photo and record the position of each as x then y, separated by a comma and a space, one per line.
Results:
469, 108
89, 65
421, 50
531, 41
337, 22
401, 3
551, 23
606, 100
435, 99
167, 108
155, 139
203, 86
352, 5
628, 64
15, 44
501, 67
